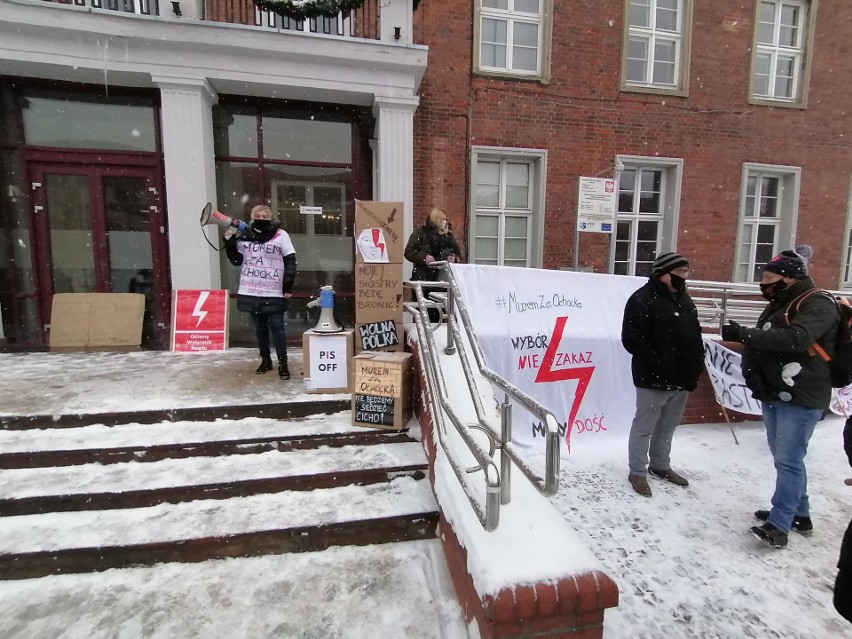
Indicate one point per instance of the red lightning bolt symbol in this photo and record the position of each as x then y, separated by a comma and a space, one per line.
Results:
376, 240
583, 375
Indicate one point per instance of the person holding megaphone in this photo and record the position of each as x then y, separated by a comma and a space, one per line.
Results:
267, 259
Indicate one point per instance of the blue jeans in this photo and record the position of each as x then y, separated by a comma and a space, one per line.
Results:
788, 431
263, 322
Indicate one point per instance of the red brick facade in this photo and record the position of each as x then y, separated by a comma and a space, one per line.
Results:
583, 119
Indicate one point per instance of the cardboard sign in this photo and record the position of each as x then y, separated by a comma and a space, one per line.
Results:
381, 386
96, 319
200, 320
378, 336
378, 293
378, 232
326, 361
371, 409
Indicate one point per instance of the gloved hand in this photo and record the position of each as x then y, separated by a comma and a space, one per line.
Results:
732, 332
754, 382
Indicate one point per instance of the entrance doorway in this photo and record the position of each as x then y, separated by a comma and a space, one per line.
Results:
101, 229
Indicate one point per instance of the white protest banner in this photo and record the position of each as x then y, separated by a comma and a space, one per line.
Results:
557, 336
724, 368
841, 401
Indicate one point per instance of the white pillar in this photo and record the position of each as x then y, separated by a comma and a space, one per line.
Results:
395, 154
397, 14
187, 132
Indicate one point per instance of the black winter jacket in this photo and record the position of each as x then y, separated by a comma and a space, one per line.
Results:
661, 330
773, 343
428, 241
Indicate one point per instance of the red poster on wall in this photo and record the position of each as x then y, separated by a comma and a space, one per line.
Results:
200, 320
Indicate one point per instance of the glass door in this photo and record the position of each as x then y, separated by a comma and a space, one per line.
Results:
100, 229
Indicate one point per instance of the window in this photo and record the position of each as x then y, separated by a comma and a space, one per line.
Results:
513, 37
846, 262
657, 45
768, 211
778, 63
648, 197
507, 207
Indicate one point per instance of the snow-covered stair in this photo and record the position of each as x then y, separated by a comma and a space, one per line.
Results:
203, 490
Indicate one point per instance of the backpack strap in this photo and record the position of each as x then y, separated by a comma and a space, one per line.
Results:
813, 349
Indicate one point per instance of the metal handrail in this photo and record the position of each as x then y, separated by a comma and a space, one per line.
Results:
489, 517
719, 302
499, 438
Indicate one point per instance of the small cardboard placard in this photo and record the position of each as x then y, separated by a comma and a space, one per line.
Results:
381, 387
84, 320
378, 293
378, 336
373, 409
378, 232
326, 361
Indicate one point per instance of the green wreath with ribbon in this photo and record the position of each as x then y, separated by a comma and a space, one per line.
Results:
304, 9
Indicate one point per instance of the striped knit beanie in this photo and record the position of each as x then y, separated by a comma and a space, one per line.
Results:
667, 262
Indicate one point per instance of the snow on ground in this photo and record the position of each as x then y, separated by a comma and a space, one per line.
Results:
683, 560
684, 563
41, 383
367, 592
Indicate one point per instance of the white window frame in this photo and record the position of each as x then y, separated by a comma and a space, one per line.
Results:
790, 178
544, 21
309, 201
681, 38
846, 258
799, 52
537, 159
670, 188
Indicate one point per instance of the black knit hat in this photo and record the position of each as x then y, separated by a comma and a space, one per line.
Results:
787, 264
668, 262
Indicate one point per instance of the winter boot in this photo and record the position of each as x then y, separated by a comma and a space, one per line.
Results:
670, 475
640, 484
770, 535
801, 525
283, 371
265, 365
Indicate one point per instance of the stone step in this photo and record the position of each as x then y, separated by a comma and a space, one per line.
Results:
362, 532
222, 490
400, 509
159, 452
286, 410
178, 473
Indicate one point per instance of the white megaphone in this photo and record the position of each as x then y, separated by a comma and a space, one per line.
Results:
211, 216
326, 323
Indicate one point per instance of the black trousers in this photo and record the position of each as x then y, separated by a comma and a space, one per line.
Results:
843, 583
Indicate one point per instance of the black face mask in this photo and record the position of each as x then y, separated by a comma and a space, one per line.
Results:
261, 226
678, 282
771, 291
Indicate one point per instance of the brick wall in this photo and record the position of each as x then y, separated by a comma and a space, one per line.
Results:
583, 120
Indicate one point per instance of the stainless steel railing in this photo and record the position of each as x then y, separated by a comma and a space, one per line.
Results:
460, 341
718, 302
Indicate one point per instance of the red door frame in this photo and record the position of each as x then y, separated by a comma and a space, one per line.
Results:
95, 172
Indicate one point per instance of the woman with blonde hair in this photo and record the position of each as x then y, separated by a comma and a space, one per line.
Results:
432, 242
267, 261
